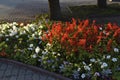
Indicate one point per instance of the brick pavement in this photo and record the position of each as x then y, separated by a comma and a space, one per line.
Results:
10, 71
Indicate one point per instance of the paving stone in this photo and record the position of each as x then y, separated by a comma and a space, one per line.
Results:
43, 76
22, 71
13, 78
1, 63
3, 66
6, 78
36, 76
8, 71
1, 74
28, 77
29, 72
1, 78
21, 77
50, 78
15, 70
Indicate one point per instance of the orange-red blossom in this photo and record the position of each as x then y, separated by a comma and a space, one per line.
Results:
73, 36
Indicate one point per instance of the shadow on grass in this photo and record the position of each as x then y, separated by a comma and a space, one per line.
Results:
92, 12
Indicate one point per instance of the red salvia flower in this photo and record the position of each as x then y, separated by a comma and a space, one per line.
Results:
3, 53
82, 43
116, 33
86, 23
72, 36
109, 44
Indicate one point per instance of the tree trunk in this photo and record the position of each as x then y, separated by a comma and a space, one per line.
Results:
54, 9
102, 3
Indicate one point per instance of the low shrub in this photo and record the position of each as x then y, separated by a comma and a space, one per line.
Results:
77, 49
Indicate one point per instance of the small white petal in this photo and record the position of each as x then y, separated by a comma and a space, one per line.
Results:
104, 65
97, 74
7, 39
92, 60
16, 36
116, 50
37, 50
34, 56
87, 68
83, 76
31, 45
114, 59
100, 28
108, 57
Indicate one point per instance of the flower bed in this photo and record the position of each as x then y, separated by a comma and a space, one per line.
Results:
77, 49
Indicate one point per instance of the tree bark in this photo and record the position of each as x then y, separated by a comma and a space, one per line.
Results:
54, 10
102, 3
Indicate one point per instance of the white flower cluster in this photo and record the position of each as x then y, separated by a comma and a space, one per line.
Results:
116, 50
19, 31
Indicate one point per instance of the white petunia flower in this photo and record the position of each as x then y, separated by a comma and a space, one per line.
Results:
76, 75
104, 65
114, 59
15, 23
83, 76
87, 68
100, 28
17, 36
14, 28
40, 33
44, 52
90, 64
26, 28
108, 56
41, 27
7, 39
84, 63
62, 66
92, 60
13, 33
116, 50
78, 69
37, 49
34, 56
58, 54
21, 24
53, 53
31, 45
97, 74
48, 44
33, 35
104, 32
30, 49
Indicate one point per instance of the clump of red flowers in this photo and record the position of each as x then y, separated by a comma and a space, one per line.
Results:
82, 34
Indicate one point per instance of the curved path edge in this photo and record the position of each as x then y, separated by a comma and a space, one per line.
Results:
36, 69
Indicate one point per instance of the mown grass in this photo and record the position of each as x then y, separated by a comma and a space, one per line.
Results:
94, 11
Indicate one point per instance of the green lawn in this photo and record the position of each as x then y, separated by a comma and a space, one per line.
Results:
93, 11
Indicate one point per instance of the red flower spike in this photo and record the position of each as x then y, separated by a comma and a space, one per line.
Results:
3, 53
109, 27
82, 43
109, 45
86, 23
116, 33
99, 39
